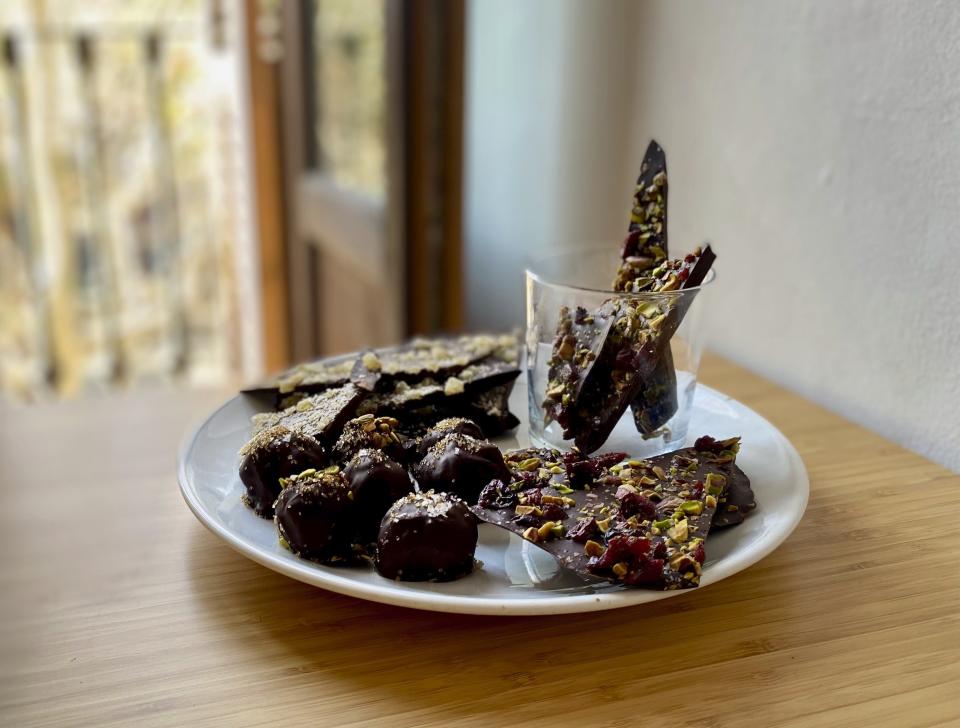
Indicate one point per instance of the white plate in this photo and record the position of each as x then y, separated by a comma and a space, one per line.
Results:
517, 577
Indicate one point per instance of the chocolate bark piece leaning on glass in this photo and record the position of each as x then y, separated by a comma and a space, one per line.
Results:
640, 333
645, 247
580, 337
642, 523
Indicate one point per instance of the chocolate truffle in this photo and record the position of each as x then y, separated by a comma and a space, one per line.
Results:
461, 465
275, 453
376, 482
448, 426
369, 431
316, 517
427, 536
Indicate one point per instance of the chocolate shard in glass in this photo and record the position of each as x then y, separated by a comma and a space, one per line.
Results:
641, 523
656, 402
640, 332
580, 337
646, 241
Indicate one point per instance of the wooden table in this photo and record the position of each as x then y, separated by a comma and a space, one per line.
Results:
119, 608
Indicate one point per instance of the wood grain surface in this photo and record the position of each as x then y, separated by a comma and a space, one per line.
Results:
119, 608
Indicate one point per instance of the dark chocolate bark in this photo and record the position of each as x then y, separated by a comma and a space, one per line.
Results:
433, 359
427, 537
640, 523
579, 340
321, 415
310, 378
640, 333
645, 246
656, 402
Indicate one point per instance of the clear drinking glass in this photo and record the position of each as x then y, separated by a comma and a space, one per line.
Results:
583, 279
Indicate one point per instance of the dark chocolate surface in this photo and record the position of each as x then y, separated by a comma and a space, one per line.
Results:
427, 537
436, 359
321, 415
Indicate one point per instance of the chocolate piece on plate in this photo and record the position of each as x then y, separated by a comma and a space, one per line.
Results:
376, 482
270, 455
433, 359
738, 500
316, 517
451, 395
320, 415
310, 378
461, 465
640, 523
369, 431
427, 537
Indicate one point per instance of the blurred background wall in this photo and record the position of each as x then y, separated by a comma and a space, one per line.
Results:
193, 191
816, 144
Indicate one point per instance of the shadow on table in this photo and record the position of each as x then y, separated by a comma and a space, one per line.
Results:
457, 665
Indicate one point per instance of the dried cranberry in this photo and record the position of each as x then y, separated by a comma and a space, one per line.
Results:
643, 568
637, 504
647, 571
580, 315
697, 490
585, 530
553, 512
496, 495
532, 497
708, 444
530, 519
699, 554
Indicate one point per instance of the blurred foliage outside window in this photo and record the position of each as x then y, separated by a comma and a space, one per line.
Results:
120, 194
349, 45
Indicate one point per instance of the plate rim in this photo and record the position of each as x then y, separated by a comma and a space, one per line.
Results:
326, 578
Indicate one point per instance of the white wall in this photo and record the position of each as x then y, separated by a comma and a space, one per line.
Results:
816, 143
548, 109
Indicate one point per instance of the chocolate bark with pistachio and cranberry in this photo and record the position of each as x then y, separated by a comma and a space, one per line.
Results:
434, 359
647, 233
576, 346
640, 332
645, 247
641, 523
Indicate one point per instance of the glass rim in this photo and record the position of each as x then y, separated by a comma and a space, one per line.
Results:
545, 281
